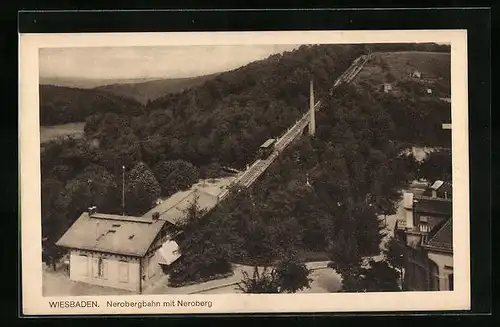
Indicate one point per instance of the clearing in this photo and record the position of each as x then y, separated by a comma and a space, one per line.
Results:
394, 67
48, 133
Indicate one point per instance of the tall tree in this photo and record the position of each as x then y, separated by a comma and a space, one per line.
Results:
93, 187
175, 175
142, 190
292, 275
203, 255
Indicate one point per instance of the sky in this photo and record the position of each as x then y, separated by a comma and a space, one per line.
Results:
150, 62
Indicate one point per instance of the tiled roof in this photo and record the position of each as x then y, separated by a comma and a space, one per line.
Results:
436, 185
443, 238
436, 206
174, 209
112, 233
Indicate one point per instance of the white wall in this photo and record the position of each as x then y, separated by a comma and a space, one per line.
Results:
117, 271
445, 266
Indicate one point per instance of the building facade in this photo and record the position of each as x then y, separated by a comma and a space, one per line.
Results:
116, 251
426, 232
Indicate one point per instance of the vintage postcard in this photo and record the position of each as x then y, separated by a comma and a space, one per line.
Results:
238, 172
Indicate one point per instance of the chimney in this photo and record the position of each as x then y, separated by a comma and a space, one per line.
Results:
156, 215
92, 210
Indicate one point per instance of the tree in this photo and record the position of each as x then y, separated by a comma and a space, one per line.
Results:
53, 218
288, 275
395, 255
203, 255
437, 166
175, 175
142, 190
292, 275
379, 277
260, 282
92, 187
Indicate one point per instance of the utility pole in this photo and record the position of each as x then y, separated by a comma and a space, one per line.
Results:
123, 190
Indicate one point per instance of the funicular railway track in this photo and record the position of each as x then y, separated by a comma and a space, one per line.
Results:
258, 167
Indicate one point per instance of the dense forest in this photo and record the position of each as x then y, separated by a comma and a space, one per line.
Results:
145, 92
61, 105
322, 195
353, 165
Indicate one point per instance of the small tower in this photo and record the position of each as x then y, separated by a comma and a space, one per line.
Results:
312, 118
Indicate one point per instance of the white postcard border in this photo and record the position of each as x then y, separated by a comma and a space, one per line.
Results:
35, 304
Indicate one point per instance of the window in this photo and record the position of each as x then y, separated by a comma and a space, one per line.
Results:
99, 268
80, 264
450, 282
434, 276
123, 271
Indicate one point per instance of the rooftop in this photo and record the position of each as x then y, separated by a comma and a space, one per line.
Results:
112, 233
129, 235
267, 143
173, 210
442, 239
429, 205
436, 185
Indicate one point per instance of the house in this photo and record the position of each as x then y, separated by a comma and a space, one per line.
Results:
429, 91
446, 126
422, 214
416, 74
426, 233
440, 189
116, 251
439, 248
128, 252
387, 87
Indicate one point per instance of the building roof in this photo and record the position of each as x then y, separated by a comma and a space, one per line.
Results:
112, 233
436, 206
436, 185
267, 143
169, 252
129, 235
174, 209
442, 239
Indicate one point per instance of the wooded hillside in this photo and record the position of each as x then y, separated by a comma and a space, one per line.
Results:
152, 90
224, 121
61, 105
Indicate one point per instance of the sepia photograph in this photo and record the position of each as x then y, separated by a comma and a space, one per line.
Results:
170, 172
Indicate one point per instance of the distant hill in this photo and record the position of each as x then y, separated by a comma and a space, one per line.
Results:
89, 83
152, 90
62, 105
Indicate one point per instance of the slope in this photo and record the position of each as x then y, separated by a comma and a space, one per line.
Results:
152, 90
61, 105
396, 68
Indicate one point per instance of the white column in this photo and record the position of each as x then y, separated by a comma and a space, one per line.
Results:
312, 120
